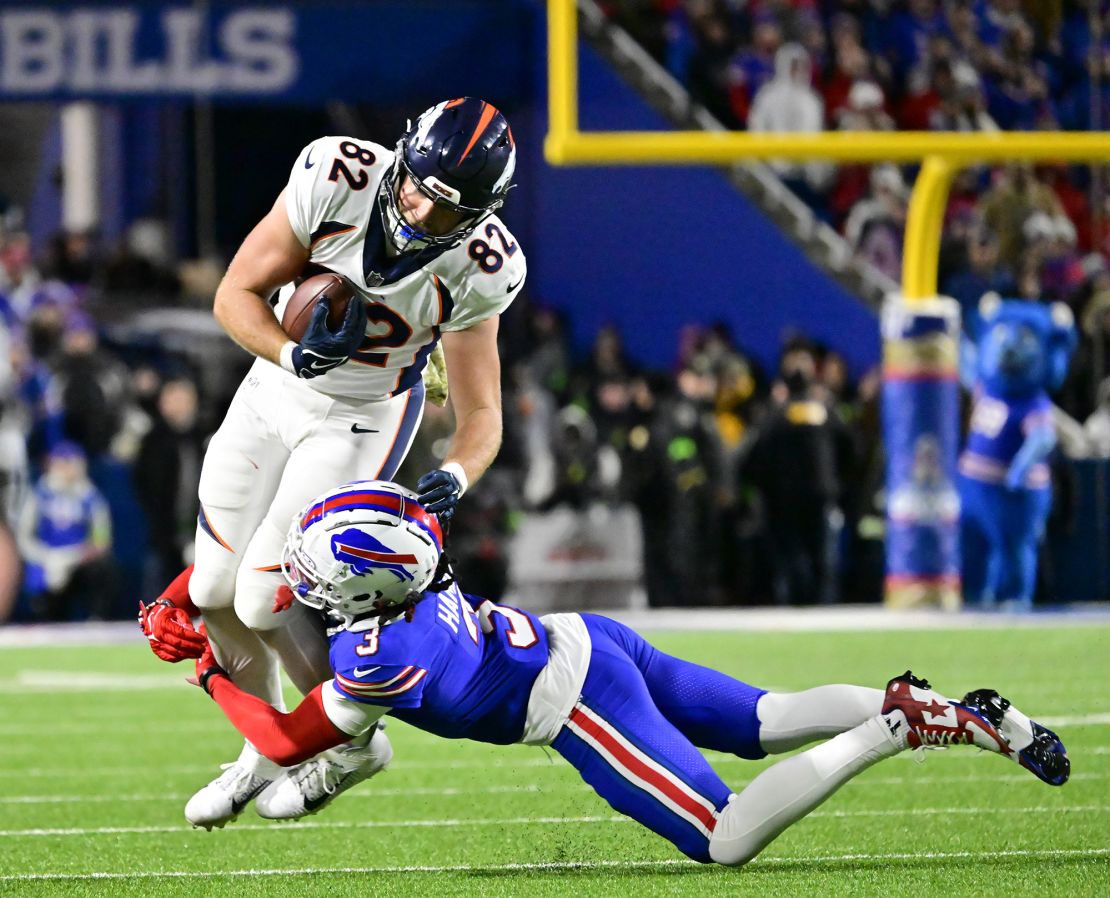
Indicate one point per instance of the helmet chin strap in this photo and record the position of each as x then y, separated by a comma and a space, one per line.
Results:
407, 239
401, 236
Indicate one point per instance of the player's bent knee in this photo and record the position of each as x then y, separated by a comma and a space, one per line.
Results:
731, 854
735, 841
212, 588
254, 601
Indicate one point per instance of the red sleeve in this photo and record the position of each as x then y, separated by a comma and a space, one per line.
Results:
178, 592
285, 739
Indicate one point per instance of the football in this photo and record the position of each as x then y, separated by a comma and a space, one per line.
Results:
298, 311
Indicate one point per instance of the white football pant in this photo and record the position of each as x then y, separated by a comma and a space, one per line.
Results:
280, 445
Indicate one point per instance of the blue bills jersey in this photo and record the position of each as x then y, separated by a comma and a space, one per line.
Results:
68, 516
463, 668
998, 429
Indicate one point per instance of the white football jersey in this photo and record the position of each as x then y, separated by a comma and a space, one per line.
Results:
333, 203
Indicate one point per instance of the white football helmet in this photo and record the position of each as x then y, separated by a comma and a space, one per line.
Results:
362, 549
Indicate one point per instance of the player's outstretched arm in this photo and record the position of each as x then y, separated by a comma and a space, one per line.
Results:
270, 257
475, 368
286, 739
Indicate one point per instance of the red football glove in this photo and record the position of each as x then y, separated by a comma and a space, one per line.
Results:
207, 665
171, 634
283, 599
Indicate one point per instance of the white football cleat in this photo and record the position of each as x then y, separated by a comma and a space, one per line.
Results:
223, 799
313, 785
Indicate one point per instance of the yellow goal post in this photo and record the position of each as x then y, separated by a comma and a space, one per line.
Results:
941, 153
920, 329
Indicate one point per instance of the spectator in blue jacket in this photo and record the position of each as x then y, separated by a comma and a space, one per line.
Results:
65, 534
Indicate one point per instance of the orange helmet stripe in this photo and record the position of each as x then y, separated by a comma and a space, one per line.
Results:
488, 112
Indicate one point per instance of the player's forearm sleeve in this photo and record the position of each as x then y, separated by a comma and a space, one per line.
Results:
178, 592
285, 739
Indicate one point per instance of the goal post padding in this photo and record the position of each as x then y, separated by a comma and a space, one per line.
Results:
920, 413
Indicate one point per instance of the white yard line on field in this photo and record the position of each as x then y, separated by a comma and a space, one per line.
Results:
213, 769
293, 828
513, 760
447, 792
1076, 720
783, 860
374, 793
33, 680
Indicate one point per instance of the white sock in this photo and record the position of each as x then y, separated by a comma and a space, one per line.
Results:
789, 720
252, 667
253, 760
789, 790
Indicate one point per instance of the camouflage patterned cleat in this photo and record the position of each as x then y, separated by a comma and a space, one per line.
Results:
1036, 748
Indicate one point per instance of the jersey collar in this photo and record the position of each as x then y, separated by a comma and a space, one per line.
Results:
377, 267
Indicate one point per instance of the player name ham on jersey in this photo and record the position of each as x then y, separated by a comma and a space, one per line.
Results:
333, 203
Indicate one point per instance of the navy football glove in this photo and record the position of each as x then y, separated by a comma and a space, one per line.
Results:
439, 492
320, 350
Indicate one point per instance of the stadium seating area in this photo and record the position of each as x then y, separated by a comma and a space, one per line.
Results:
688, 447
963, 65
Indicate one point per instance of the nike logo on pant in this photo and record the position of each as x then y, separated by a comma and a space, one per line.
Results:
356, 429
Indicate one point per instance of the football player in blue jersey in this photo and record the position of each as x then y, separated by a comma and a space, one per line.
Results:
631, 719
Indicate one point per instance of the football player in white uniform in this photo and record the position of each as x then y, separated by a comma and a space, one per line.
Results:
414, 230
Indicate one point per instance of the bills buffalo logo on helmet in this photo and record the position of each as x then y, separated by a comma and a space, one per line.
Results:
365, 554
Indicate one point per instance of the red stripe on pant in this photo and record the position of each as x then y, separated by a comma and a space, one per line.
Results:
672, 789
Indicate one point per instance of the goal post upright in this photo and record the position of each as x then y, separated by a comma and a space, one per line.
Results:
920, 328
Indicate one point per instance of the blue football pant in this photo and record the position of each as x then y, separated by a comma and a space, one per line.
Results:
634, 736
633, 733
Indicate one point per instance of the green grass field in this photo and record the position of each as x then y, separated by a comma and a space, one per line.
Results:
101, 746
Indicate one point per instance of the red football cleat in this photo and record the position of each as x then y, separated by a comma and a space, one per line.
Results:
933, 721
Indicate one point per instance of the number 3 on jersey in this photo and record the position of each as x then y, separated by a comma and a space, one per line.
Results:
521, 634
369, 644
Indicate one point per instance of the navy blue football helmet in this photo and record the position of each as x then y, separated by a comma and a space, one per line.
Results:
460, 153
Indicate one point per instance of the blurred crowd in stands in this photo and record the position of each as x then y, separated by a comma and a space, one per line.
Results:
752, 486
101, 438
746, 482
942, 65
